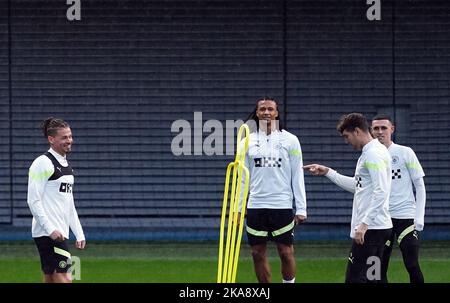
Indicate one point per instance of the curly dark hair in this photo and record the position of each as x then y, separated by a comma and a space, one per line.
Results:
351, 121
253, 116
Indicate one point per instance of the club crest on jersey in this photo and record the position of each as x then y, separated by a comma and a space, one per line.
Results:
394, 159
65, 188
267, 162
279, 146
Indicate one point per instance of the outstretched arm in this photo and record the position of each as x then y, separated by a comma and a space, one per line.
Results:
344, 182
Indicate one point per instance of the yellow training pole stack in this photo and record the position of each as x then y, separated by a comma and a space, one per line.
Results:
227, 267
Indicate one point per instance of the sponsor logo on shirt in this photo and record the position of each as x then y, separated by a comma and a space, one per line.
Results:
65, 188
267, 162
396, 174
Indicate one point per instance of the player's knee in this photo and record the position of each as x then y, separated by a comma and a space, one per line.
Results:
410, 256
286, 255
411, 262
412, 265
61, 278
258, 254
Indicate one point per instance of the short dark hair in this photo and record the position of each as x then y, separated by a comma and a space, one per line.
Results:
253, 116
383, 117
51, 125
351, 121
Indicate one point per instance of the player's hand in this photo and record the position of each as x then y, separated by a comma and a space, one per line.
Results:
418, 226
80, 244
317, 169
299, 219
57, 236
360, 232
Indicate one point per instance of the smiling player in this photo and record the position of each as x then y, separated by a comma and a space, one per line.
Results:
50, 198
407, 212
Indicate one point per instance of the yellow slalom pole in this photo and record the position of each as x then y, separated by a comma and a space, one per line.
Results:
240, 157
222, 222
234, 208
227, 263
229, 243
241, 224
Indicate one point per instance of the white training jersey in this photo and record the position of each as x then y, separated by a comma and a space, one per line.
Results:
405, 168
50, 197
276, 171
371, 186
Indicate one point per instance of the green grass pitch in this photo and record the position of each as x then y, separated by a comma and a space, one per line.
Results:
147, 262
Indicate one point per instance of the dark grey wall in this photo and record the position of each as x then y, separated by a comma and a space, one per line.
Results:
128, 69
5, 163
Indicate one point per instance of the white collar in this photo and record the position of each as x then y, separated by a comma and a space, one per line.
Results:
371, 142
392, 145
262, 133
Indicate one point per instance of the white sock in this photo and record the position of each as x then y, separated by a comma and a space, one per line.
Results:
289, 281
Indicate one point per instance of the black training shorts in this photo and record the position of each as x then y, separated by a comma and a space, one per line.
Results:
55, 256
264, 224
